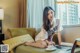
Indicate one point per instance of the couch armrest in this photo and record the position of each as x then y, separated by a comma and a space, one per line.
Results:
7, 34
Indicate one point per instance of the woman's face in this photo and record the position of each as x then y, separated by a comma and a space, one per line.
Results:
50, 15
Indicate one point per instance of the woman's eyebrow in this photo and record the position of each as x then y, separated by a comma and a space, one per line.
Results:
49, 12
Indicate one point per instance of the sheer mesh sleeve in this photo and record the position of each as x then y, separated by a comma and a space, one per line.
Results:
42, 35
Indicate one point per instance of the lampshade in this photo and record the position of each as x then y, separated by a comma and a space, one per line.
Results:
1, 14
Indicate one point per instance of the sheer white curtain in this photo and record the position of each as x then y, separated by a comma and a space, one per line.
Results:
35, 12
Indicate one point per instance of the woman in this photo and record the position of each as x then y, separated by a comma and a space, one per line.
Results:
50, 24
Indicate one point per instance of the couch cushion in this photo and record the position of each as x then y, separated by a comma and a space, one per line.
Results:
13, 42
31, 31
29, 49
16, 32
21, 31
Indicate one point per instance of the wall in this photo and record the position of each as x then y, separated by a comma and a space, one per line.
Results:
70, 33
11, 15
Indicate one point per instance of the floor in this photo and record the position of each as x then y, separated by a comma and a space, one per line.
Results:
65, 49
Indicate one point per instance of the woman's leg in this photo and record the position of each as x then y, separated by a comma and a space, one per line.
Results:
39, 44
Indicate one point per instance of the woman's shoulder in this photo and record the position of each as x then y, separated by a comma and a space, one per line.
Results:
56, 19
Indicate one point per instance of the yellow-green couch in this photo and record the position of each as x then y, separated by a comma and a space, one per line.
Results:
21, 48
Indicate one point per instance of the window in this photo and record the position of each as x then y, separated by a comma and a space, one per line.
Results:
68, 13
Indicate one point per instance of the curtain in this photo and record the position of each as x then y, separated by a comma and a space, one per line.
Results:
22, 13
35, 12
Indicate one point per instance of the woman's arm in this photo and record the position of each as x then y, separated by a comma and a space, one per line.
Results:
50, 42
59, 37
59, 31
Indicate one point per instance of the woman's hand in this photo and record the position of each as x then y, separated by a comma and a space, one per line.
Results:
51, 43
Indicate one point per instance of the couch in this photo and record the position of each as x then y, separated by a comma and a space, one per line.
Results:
14, 35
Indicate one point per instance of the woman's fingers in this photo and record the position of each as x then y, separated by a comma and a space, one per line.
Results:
51, 43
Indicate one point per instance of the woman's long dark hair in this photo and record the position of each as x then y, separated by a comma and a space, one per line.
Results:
46, 22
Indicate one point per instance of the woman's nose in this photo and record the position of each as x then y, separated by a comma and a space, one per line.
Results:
51, 14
